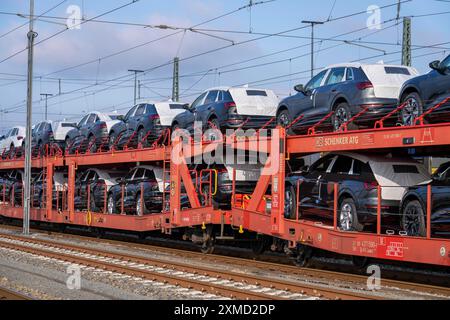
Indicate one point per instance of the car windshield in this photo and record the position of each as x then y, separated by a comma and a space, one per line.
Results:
446, 62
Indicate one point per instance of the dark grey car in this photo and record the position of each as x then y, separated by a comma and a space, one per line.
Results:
423, 92
91, 133
146, 123
346, 90
233, 108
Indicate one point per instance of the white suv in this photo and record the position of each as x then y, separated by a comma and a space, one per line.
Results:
15, 138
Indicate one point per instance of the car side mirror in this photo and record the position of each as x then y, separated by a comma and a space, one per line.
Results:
120, 180
305, 169
121, 118
436, 65
300, 88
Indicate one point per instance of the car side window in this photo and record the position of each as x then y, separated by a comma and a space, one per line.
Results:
342, 165
149, 175
322, 165
83, 121
211, 97
336, 76
130, 113
140, 110
316, 82
139, 174
199, 100
362, 169
350, 76
130, 175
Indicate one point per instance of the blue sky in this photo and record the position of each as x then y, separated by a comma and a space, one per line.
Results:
89, 87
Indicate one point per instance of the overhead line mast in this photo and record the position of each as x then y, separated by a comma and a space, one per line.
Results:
27, 179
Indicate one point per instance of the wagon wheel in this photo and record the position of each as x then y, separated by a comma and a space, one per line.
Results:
209, 241
304, 254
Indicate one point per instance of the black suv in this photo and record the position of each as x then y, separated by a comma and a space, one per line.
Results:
424, 92
356, 175
345, 90
414, 205
143, 178
140, 125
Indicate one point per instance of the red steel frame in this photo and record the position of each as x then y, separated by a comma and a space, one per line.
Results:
279, 148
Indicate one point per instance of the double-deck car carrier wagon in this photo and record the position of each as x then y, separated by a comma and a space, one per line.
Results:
187, 206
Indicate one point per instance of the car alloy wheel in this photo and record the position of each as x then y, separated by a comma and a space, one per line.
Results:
413, 219
140, 207
346, 217
92, 145
283, 119
410, 112
289, 203
111, 205
341, 117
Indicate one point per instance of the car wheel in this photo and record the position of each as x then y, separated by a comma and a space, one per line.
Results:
342, 115
142, 139
413, 219
41, 204
141, 209
348, 216
112, 140
92, 206
284, 120
214, 130
412, 110
290, 204
205, 196
111, 205
67, 143
92, 144
11, 151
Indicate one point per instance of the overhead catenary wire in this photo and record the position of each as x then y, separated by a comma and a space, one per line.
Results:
119, 78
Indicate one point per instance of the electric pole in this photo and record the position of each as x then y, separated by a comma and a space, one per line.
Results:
176, 80
313, 24
135, 83
406, 45
27, 181
46, 95
139, 89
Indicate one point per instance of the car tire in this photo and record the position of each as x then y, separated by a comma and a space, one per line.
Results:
92, 206
213, 126
290, 203
92, 144
412, 110
112, 140
284, 120
413, 219
141, 210
140, 138
348, 216
341, 115
111, 204
67, 145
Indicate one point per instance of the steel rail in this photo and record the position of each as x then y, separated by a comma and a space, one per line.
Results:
283, 285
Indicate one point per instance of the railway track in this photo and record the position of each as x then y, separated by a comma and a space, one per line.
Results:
313, 274
8, 294
218, 282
